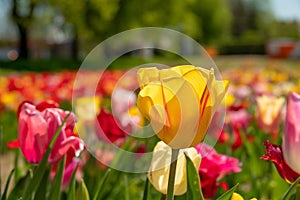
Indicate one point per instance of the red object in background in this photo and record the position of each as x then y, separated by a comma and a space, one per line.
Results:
281, 48
286, 50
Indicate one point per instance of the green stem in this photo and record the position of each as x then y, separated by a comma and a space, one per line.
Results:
297, 193
172, 173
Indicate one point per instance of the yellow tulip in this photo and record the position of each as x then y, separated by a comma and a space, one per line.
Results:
87, 108
160, 166
229, 100
134, 112
236, 196
269, 112
179, 102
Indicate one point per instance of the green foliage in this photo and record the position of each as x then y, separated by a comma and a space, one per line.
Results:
19, 187
146, 190
214, 18
208, 21
291, 189
82, 192
42, 190
227, 195
8, 128
3, 195
193, 190
56, 186
71, 192
101, 184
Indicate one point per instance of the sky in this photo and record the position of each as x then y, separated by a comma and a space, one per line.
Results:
286, 9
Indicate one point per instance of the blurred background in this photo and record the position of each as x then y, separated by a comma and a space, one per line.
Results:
255, 44
65, 31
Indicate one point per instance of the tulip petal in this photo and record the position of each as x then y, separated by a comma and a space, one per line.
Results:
160, 166
32, 133
13, 144
71, 142
291, 137
147, 75
274, 154
194, 77
269, 112
179, 102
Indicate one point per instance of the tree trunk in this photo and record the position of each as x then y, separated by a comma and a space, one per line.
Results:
74, 46
22, 23
23, 47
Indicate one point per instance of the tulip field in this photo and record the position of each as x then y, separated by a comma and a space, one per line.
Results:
235, 138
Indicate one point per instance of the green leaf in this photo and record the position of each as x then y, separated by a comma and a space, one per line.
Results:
7, 184
101, 184
126, 192
18, 190
146, 190
227, 195
119, 158
41, 192
42, 167
194, 188
16, 165
82, 192
291, 189
55, 190
36, 179
71, 191
181, 197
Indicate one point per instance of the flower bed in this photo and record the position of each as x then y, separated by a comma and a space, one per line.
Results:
262, 107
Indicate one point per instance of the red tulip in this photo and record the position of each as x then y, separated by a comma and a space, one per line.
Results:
107, 128
274, 154
36, 128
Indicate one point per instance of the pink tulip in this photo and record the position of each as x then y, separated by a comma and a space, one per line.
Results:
214, 167
291, 136
122, 100
285, 158
239, 118
36, 127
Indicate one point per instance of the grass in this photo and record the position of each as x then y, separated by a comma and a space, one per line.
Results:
126, 62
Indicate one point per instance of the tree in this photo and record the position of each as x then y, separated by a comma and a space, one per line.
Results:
251, 19
22, 14
90, 19
214, 18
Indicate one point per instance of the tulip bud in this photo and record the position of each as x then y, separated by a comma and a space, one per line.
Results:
160, 167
